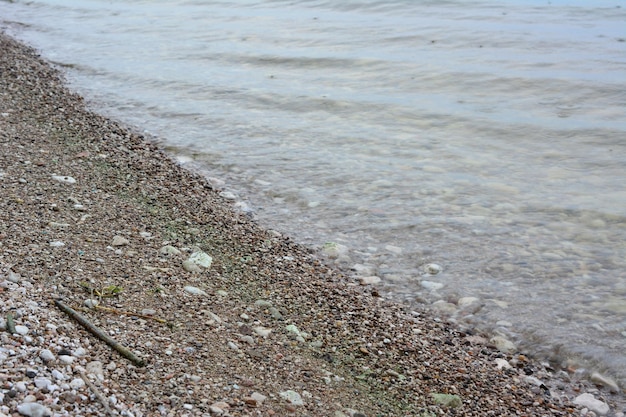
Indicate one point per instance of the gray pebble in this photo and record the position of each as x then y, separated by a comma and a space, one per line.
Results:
46, 355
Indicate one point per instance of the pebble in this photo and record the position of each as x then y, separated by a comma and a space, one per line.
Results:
119, 241
195, 291
191, 266
465, 301
275, 313
66, 359
432, 286
33, 410
258, 397
41, 382
502, 363
77, 383
262, 331
201, 259
262, 303
394, 249
46, 356
228, 195
334, 250
169, 250
447, 400
58, 375
22, 330
13, 277
433, 269
371, 280
503, 345
363, 270
91, 303
64, 179
605, 381
79, 352
589, 401
59, 225
292, 328
292, 397
444, 307
95, 368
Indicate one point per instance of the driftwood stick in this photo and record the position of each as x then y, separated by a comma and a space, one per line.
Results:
99, 333
99, 396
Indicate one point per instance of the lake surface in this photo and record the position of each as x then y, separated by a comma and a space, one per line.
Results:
486, 137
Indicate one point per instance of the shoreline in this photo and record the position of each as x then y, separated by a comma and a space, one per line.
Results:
266, 329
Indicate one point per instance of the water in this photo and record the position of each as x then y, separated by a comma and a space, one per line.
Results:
486, 137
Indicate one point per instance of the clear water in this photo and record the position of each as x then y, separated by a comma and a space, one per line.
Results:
487, 137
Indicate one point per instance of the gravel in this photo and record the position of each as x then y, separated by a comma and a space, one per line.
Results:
257, 326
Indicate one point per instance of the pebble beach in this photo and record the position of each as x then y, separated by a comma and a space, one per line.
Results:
212, 314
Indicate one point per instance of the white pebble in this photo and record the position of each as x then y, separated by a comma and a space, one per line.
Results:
503, 345
46, 355
91, 303
195, 290
599, 379
371, 280
201, 259
66, 359
502, 363
64, 179
119, 241
79, 352
464, 301
13, 277
258, 397
57, 244
21, 330
292, 397
77, 383
41, 382
262, 331
20, 386
433, 269
169, 250
58, 375
589, 401
33, 410
431, 286
95, 368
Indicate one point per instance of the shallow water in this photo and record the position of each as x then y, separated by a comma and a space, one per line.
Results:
486, 137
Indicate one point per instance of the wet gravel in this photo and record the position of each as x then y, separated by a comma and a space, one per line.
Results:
229, 319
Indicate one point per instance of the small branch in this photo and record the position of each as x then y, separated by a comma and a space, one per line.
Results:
99, 396
99, 333
128, 313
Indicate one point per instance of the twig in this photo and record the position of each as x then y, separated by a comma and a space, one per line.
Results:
99, 333
128, 313
98, 394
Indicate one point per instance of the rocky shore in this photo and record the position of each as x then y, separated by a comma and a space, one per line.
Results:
223, 318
